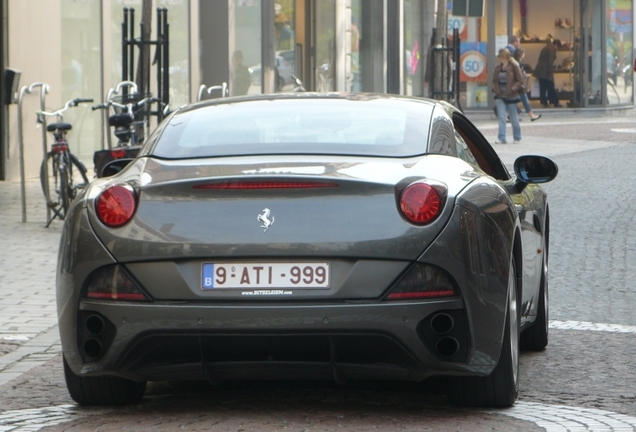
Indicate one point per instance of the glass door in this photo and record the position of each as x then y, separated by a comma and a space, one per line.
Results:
324, 43
589, 70
285, 40
315, 44
619, 47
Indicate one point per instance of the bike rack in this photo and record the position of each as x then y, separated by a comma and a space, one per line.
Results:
225, 92
161, 59
449, 73
44, 89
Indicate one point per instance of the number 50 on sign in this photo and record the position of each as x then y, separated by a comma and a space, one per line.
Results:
472, 61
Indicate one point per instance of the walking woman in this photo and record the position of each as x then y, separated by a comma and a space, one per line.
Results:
519, 55
507, 82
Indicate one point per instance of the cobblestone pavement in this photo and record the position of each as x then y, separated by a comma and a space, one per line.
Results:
585, 380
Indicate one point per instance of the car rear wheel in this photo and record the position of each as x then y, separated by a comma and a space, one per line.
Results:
102, 390
501, 387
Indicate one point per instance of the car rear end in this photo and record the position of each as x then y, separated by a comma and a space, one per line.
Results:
270, 266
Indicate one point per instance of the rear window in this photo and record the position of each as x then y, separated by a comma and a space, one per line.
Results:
376, 127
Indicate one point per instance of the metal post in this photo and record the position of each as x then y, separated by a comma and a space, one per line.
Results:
202, 90
432, 69
131, 64
23, 91
165, 41
44, 89
109, 140
124, 46
159, 62
456, 68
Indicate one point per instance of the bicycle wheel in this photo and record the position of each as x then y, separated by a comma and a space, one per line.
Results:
77, 175
60, 192
50, 180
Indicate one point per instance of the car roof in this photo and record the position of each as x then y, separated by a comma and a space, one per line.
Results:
360, 97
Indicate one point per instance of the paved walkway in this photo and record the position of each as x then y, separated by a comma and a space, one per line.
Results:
28, 257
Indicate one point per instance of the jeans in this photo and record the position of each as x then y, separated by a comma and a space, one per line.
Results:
511, 110
525, 102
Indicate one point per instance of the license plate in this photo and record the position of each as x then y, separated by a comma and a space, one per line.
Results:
315, 275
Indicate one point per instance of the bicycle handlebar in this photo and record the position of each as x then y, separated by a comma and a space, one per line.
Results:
128, 107
69, 104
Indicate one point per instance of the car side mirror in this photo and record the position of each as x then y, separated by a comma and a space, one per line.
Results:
534, 169
114, 167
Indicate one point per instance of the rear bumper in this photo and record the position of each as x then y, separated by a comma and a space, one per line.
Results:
382, 340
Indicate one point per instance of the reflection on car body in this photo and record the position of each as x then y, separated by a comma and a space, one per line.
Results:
301, 235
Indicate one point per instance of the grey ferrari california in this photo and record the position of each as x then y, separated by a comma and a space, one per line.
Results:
307, 236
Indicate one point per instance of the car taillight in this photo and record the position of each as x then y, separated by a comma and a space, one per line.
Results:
113, 283
422, 281
116, 205
421, 202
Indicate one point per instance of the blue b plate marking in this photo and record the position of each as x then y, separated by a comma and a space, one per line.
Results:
207, 281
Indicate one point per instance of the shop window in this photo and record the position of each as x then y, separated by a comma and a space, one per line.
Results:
413, 67
473, 73
81, 73
245, 47
619, 48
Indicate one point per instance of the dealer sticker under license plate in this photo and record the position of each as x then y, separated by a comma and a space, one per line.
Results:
314, 275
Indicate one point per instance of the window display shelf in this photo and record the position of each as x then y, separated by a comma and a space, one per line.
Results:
563, 76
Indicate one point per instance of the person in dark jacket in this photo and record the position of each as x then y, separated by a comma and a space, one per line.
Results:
544, 71
507, 82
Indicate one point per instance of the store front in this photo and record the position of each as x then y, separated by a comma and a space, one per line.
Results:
331, 45
593, 41
257, 46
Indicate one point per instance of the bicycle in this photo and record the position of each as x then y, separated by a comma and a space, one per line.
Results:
129, 117
62, 174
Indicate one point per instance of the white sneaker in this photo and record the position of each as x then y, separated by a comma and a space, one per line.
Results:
517, 141
500, 142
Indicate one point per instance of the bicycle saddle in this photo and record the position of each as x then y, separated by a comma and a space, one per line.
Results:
120, 120
63, 126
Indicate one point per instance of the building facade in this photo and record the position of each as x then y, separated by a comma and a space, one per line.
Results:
256, 46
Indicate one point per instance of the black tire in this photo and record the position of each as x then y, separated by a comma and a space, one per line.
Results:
65, 191
49, 180
102, 390
501, 387
76, 176
536, 337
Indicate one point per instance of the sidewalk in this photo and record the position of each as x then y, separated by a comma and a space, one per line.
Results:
28, 258
540, 137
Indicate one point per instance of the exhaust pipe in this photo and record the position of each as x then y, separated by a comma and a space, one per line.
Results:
442, 323
447, 346
95, 325
93, 348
